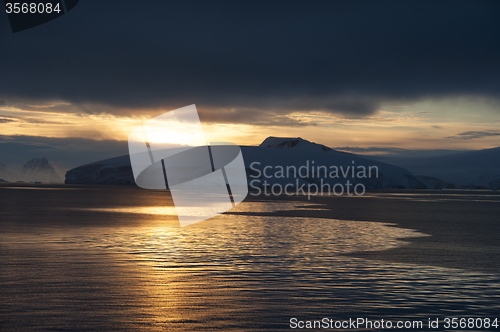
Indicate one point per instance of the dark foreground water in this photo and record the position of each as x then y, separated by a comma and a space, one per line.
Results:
113, 258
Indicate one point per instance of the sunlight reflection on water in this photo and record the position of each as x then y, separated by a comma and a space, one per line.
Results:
235, 272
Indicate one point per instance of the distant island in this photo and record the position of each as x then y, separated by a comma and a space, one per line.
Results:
36, 170
467, 170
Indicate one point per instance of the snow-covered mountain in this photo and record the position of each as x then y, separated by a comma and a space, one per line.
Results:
276, 153
38, 170
469, 170
297, 143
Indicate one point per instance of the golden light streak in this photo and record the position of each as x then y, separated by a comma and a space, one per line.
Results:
408, 127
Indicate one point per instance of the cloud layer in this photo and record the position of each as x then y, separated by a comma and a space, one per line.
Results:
255, 61
476, 134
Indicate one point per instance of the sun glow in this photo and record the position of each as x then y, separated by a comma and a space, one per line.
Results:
168, 137
421, 125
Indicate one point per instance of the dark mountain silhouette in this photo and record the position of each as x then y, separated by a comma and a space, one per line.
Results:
274, 151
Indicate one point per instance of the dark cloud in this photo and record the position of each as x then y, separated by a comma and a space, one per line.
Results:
252, 116
278, 113
28, 119
387, 154
278, 57
466, 135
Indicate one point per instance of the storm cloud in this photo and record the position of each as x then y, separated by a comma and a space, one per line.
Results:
256, 61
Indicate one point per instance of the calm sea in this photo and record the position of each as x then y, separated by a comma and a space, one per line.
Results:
76, 258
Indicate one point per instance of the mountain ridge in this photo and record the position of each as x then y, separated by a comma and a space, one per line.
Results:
462, 170
39, 170
478, 169
273, 152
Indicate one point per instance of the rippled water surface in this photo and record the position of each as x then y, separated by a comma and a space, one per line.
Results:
113, 259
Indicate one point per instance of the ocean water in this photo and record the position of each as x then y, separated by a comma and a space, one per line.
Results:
76, 258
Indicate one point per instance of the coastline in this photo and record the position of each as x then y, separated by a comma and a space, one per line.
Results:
467, 239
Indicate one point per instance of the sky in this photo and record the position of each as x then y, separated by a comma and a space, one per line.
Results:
363, 76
